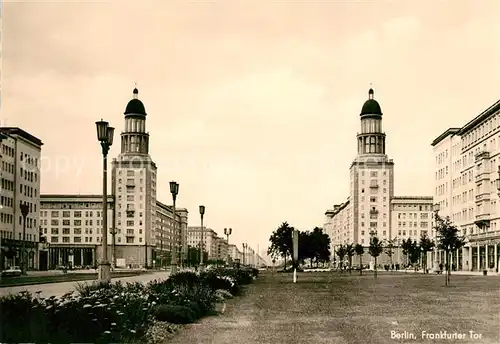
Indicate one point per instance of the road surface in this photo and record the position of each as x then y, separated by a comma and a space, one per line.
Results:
59, 289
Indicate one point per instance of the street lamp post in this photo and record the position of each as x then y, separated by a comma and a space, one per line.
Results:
174, 190
245, 246
105, 137
202, 212
24, 212
436, 262
113, 233
227, 232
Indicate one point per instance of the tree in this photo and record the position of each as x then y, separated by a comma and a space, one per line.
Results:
324, 253
360, 250
406, 245
281, 242
448, 240
306, 249
426, 245
414, 253
375, 249
341, 254
389, 250
349, 251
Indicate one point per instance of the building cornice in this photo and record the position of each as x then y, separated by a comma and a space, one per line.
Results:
24, 134
448, 132
480, 118
404, 198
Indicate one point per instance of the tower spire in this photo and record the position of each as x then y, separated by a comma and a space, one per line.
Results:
136, 91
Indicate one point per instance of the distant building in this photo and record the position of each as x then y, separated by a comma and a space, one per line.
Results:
72, 226
210, 243
20, 182
371, 205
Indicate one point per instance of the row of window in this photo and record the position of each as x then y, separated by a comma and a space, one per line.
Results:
8, 167
28, 159
29, 191
481, 131
423, 224
413, 215
8, 151
67, 213
7, 185
7, 202
10, 235
30, 176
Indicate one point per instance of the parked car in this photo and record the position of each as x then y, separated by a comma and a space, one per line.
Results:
12, 271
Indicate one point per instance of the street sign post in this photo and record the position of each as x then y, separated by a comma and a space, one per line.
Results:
295, 241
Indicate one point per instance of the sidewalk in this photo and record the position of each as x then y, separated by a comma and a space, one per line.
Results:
460, 273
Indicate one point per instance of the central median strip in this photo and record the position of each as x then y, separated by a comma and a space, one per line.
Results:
7, 282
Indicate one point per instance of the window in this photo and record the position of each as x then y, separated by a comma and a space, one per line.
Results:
130, 223
66, 213
54, 213
77, 214
373, 199
54, 222
77, 222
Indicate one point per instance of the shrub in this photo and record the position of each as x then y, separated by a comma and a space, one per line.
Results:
175, 314
115, 312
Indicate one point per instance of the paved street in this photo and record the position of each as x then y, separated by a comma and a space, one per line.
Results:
58, 289
340, 309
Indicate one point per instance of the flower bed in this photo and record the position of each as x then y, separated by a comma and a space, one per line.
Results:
116, 312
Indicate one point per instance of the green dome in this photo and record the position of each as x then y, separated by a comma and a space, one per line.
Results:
371, 106
135, 106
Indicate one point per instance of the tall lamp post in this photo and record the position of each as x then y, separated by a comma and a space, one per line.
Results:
245, 246
174, 190
435, 208
202, 213
227, 232
105, 137
24, 212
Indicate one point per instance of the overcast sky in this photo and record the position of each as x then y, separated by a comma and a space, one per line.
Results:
253, 106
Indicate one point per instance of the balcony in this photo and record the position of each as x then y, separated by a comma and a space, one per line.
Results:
373, 212
483, 197
482, 220
482, 155
130, 183
374, 186
482, 176
484, 236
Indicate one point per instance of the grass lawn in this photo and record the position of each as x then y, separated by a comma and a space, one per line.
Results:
329, 307
69, 277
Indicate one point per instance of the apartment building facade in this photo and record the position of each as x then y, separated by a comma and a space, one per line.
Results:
20, 183
467, 161
72, 227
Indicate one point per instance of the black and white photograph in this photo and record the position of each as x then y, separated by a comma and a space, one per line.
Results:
250, 171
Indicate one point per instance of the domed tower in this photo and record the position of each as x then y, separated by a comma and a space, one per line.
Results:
135, 139
133, 180
371, 178
371, 140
